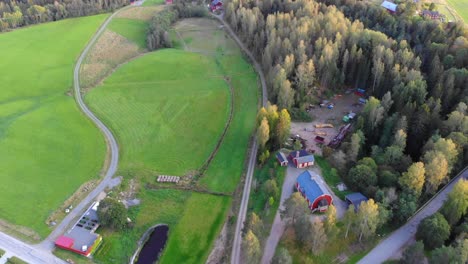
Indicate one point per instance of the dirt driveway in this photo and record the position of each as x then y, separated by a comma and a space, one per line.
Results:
342, 105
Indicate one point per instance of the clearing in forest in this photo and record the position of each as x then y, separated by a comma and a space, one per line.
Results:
48, 148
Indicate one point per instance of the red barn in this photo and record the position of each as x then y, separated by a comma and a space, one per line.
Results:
311, 187
283, 161
216, 5
302, 158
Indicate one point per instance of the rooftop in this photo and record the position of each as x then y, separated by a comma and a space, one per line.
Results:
82, 237
280, 155
356, 199
389, 5
311, 185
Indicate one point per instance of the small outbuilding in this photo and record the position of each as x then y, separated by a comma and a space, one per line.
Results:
355, 199
282, 159
302, 158
216, 5
81, 239
311, 187
391, 7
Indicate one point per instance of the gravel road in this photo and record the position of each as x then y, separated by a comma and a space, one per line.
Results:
395, 241
236, 247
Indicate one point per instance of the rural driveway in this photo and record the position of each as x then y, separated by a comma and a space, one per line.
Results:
236, 246
395, 241
113, 148
41, 253
279, 225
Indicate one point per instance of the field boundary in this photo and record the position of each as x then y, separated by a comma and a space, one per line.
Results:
207, 163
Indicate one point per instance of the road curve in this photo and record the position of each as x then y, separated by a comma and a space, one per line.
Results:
236, 246
395, 241
113, 148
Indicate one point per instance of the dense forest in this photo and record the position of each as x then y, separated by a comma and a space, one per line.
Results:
412, 134
14, 14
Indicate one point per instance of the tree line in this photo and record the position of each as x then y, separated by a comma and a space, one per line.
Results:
412, 133
157, 35
445, 233
15, 14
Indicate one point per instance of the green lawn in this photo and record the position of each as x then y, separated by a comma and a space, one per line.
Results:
330, 176
132, 29
193, 237
224, 173
153, 2
48, 148
461, 6
167, 109
162, 206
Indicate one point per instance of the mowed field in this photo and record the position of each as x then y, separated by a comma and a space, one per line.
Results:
48, 148
461, 7
167, 108
205, 36
124, 39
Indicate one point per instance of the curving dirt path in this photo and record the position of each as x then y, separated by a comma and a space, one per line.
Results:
113, 148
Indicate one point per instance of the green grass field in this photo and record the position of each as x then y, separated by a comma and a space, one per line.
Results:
167, 109
48, 148
193, 237
132, 29
153, 2
461, 6
205, 36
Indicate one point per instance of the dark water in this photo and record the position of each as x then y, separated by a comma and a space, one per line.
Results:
155, 244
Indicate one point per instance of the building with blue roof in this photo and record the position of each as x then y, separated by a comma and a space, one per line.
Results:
355, 199
311, 186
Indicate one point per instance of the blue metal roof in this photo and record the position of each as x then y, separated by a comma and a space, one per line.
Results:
309, 186
389, 5
356, 199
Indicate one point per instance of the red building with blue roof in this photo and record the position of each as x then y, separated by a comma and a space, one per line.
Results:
311, 186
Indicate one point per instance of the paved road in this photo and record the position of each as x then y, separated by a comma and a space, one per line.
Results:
393, 243
113, 148
236, 247
31, 254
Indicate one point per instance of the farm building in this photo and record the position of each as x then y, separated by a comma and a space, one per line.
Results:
355, 199
391, 7
434, 15
81, 239
216, 5
282, 159
311, 187
302, 158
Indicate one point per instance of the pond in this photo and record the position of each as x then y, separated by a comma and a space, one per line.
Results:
151, 250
